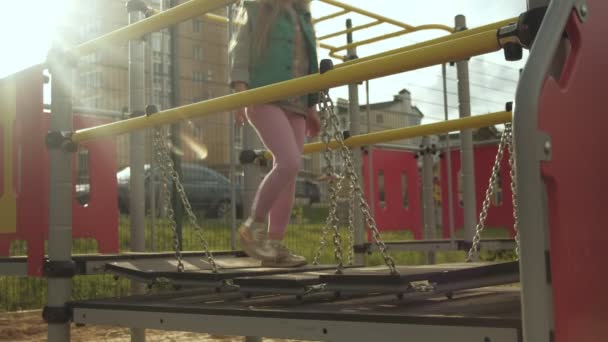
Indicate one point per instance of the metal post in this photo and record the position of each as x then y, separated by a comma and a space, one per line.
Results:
251, 181
353, 102
137, 202
60, 190
448, 153
370, 153
430, 222
175, 130
231, 146
466, 139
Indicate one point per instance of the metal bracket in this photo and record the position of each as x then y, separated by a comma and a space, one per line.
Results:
61, 140
544, 147
253, 157
516, 36
363, 248
151, 109
56, 314
582, 10
59, 269
136, 6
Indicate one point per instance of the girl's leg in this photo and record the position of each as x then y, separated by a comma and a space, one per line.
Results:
274, 128
281, 209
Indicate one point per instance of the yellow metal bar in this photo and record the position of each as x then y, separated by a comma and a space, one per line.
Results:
456, 49
457, 35
330, 16
8, 111
354, 9
443, 127
175, 15
216, 18
356, 28
370, 40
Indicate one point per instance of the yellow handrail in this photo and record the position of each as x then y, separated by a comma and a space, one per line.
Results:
175, 15
405, 28
460, 34
477, 121
455, 49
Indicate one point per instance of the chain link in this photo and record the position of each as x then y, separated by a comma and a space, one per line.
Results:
334, 188
351, 223
487, 200
513, 175
169, 174
166, 194
346, 154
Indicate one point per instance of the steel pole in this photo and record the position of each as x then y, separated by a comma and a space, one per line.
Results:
60, 190
448, 153
430, 222
353, 102
137, 197
466, 139
231, 146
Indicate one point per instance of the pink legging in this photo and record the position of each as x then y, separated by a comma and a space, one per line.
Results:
283, 133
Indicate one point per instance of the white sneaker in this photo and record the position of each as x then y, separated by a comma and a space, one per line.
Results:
254, 240
284, 258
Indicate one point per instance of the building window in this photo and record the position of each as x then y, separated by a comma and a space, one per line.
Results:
197, 78
158, 68
379, 119
197, 53
197, 25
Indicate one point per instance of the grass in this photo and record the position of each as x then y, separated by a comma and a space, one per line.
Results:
18, 293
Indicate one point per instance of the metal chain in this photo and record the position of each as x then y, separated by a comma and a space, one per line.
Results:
489, 192
165, 194
513, 175
351, 223
334, 187
164, 159
327, 106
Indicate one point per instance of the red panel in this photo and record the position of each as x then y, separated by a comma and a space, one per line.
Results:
394, 216
32, 194
573, 113
99, 220
501, 212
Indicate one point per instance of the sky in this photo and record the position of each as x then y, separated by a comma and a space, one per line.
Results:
493, 80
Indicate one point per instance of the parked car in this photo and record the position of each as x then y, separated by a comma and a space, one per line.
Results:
308, 190
208, 191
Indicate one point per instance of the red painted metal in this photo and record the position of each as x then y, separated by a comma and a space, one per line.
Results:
394, 215
98, 220
501, 211
573, 113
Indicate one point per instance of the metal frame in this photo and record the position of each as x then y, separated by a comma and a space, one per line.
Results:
460, 48
277, 326
378, 19
280, 327
532, 146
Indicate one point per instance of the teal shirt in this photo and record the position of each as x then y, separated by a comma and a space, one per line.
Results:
276, 61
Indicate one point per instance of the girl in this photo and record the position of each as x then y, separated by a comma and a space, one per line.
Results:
276, 44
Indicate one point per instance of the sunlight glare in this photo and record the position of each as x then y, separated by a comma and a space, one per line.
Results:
27, 29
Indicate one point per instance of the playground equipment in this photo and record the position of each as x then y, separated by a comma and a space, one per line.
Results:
432, 302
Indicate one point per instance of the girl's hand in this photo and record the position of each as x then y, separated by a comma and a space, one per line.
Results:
240, 116
313, 124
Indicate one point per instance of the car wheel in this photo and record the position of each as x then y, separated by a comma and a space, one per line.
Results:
223, 209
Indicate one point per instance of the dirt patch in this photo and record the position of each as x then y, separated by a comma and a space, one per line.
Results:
29, 327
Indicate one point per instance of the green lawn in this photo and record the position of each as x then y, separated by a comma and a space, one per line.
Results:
303, 237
